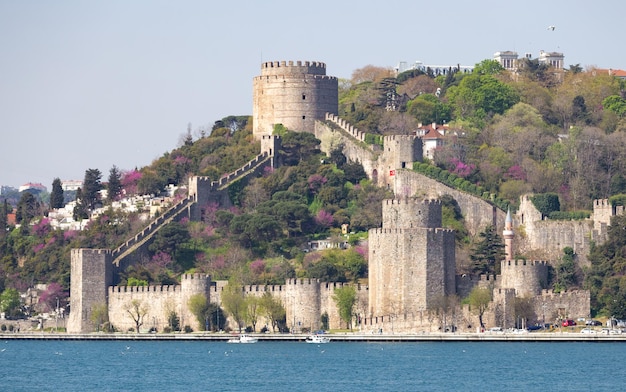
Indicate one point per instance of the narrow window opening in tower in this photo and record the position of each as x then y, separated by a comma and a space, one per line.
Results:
403, 165
303, 117
303, 96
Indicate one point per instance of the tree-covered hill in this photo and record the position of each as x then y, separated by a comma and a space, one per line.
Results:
536, 131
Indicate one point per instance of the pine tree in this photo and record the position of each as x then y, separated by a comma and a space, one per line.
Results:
114, 187
27, 208
57, 197
488, 252
92, 186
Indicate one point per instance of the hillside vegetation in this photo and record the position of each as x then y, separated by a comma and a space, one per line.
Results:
532, 132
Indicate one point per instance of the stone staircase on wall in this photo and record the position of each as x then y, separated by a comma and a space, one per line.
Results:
182, 208
148, 232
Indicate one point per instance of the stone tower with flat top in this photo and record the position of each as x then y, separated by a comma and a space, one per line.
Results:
294, 94
411, 258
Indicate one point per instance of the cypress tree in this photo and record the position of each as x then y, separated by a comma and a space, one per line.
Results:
114, 186
57, 197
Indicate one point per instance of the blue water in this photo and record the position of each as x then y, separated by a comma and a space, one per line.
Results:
337, 366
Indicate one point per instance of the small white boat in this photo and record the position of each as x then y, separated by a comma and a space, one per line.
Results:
243, 339
319, 339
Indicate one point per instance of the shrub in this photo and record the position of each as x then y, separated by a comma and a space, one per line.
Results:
188, 329
569, 215
546, 203
618, 200
3, 327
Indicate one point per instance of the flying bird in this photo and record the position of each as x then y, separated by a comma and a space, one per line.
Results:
551, 28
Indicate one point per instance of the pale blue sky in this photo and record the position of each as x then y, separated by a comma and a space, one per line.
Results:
88, 84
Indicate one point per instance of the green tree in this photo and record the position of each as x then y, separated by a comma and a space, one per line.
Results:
57, 199
199, 307
173, 321
114, 185
99, 316
606, 277
170, 238
27, 208
479, 299
345, 299
546, 203
481, 94
235, 304
4, 211
487, 253
90, 195
10, 302
253, 308
273, 309
616, 104
565, 271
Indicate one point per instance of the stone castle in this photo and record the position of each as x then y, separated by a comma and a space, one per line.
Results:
412, 263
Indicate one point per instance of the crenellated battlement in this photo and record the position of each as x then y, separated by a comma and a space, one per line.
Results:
77, 251
488, 278
145, 289
269, 78
292, 64
291, 68
302, 281
345, 126
437, 230
409, 201
524, 263
195, 276
261, 288
401, 138
551, 294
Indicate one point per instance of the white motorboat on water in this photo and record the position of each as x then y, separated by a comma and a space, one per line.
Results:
319, 339
243, 339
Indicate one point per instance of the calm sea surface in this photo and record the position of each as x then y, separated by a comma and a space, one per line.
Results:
337, 366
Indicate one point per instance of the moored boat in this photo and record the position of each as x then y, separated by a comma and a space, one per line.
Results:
319, 339
243, 339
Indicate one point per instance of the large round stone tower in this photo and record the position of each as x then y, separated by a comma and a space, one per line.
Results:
292, 94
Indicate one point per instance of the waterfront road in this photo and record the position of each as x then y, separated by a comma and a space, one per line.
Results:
336, 337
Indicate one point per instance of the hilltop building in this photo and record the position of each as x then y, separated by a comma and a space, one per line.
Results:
510, 61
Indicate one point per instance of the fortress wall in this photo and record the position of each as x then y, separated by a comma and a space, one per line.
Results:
568, 304
478, 213
354, 147
528, 278
548, 238
159, 301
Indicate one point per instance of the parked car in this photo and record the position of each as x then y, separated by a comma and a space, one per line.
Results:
587, 330
569, 323
535, 327
594, 323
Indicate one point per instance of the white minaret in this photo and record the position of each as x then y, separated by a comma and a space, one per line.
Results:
507, 234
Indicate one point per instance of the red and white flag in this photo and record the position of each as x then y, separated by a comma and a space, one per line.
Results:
392, 172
